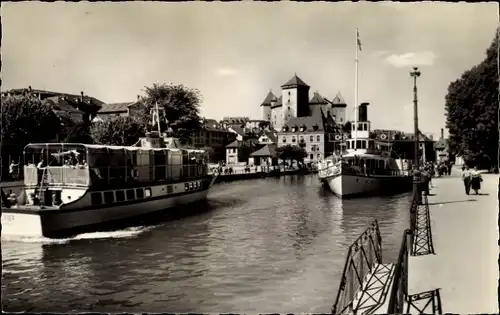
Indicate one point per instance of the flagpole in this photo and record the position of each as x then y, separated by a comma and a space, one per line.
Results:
356, 91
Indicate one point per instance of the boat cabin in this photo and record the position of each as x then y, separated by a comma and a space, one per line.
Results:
101, 165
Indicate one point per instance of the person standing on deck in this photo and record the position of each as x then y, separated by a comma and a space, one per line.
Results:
466, 177
476, 180
13, 170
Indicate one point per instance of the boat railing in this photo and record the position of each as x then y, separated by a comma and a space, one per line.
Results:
399, 290
362, 256
105, 175
56, 175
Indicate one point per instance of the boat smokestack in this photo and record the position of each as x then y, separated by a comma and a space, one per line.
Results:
442, 133
363, 112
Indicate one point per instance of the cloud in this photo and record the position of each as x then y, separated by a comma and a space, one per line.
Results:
423, 58
380, 53
226, 71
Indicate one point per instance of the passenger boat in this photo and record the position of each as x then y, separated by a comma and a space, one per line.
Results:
364, 169
102, 184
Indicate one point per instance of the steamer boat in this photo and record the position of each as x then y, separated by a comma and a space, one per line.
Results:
364, 169
78, 186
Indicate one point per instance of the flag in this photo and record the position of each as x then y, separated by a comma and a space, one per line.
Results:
359, 41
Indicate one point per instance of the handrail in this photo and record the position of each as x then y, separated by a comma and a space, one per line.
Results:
360, 260
399, 291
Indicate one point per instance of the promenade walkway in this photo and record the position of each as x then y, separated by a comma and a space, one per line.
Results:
464, 231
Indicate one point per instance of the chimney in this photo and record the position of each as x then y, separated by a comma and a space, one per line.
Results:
442, 133
81, 97
29, 88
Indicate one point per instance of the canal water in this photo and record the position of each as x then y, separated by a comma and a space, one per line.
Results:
266, 245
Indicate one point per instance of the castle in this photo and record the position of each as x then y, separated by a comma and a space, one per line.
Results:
294, 102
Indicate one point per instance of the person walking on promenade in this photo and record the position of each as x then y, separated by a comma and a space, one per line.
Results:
466, 177
476, 180
425, 181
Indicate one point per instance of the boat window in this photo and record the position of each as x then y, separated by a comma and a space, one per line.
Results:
140, 193
311, 138
318, 138
353, 127
109, 197
96, 198
311, 156
380, 164
147, 192
293, 139
120, 195
365, 126
348, 144
130, 194
186, 186
370, 144
363, 144
170, 189
358, 144
360, 126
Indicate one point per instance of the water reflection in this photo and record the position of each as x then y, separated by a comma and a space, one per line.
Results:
267, 245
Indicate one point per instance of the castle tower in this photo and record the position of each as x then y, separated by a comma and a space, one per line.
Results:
265, 107
339, 109
316, 103
295, 98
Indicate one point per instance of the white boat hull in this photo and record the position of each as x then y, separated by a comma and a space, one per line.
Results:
356, 185
55, 222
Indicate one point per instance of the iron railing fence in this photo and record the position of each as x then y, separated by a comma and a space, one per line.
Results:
399, 290
362, 256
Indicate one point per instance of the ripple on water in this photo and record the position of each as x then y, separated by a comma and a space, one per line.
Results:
270, 245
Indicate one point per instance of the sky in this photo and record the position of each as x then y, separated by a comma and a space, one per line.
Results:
235, 52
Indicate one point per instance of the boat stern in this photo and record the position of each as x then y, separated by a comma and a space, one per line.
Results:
21, 223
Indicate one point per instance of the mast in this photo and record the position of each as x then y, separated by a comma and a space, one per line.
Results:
356, 61
157, 113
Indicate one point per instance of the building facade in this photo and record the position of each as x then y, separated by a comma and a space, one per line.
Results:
315, 134
294, 102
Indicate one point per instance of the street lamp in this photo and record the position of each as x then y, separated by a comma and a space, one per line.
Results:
417, 177
415, 74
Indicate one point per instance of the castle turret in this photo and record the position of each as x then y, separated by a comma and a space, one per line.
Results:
265, 107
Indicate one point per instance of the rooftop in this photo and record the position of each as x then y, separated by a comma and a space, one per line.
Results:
114, 107
317, 99
269, 98
295, 81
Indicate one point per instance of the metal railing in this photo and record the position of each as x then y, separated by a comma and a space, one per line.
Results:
399, 291
362, 256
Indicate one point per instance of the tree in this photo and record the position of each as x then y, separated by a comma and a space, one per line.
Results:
291, 153
26, 119
471, 110
76, 132
119, 131
179, 105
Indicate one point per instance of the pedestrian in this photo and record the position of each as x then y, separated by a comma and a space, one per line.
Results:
450, 165
476, 180
466, 178
425, 181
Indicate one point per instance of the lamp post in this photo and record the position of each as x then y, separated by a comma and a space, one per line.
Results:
415, 74
417, 193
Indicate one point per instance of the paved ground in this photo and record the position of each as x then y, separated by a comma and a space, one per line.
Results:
465, 236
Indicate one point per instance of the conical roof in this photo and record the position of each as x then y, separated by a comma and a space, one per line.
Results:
338, 100
317, 99
295, 81
269, 98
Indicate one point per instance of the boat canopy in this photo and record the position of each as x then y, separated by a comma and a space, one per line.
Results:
101, 147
